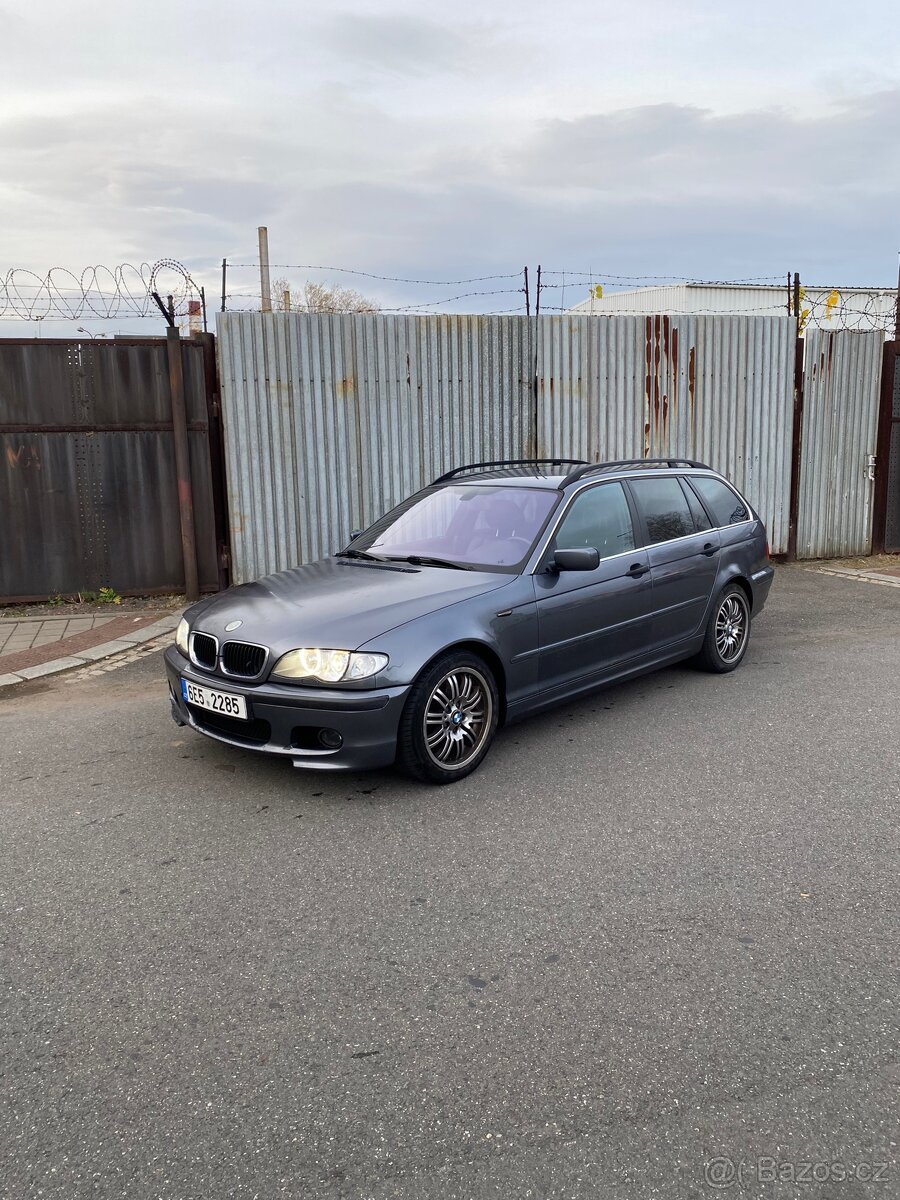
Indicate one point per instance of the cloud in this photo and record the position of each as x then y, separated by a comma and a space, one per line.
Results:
404, 43
397, 142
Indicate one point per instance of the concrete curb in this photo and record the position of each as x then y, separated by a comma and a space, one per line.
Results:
859, 575
84, 658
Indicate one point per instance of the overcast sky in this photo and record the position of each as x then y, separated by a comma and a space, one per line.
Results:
688, 138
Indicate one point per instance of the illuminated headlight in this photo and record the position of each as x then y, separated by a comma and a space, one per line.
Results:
182, 633
328, 666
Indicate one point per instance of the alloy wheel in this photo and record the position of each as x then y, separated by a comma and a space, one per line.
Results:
731, 628
458, 717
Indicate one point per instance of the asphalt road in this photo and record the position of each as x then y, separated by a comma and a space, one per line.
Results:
657, 928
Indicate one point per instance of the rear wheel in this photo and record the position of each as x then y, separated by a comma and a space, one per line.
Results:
728, 631
449, 720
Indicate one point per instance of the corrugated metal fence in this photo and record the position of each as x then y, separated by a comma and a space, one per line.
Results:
842, 375
718, 389
330, 420
88, 487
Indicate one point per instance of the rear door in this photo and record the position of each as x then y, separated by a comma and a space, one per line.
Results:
590, 621
683, 552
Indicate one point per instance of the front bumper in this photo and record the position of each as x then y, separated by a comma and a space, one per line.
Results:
286, 720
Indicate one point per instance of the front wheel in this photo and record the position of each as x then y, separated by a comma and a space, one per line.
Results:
449, 720
728, 631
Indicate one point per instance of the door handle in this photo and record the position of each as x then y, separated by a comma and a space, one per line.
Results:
636, 570
709, 549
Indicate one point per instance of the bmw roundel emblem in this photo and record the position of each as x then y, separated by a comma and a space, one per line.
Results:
233, 625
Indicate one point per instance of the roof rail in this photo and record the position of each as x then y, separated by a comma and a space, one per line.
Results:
580, 472
512, 462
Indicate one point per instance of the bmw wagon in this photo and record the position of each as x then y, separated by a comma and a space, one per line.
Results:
501, 589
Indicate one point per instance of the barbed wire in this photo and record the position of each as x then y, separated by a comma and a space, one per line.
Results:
100, 292
125, 292
855, 308
372, 275
649, 279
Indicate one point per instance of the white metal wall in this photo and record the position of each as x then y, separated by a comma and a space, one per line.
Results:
842, 377
331, 420
717, 389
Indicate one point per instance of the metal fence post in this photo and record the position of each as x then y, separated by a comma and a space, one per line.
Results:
182, 465
796, 451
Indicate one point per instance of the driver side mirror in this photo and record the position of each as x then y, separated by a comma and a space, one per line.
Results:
354, 533
582, 559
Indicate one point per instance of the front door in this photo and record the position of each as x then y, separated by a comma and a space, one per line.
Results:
591, 621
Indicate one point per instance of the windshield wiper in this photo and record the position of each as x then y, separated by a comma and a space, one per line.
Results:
359, 554
425, 560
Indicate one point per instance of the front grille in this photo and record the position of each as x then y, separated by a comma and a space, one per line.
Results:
241, 658
255, 732
205, 650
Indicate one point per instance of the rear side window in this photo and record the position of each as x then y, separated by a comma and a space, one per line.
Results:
721, 501
664, 508
598, 518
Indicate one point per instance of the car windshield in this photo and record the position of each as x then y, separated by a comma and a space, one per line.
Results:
477, 526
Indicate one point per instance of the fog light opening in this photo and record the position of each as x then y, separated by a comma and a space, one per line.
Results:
331, 739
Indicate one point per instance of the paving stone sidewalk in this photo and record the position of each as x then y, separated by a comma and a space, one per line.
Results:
32, 647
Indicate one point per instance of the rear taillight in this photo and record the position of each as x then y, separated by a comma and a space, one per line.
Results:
768, 555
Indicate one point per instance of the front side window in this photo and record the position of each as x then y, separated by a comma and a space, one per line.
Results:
598, 518
721, 501
664, 508
476, 525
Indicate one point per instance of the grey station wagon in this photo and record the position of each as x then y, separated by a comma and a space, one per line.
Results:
501, 589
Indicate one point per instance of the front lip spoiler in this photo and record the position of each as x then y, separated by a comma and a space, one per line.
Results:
288, 751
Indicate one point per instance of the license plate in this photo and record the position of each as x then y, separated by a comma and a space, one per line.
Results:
221, 702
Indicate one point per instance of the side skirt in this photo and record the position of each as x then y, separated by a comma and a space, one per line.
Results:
541, 701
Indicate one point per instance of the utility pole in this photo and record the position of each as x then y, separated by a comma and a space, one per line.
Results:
897, 318
537, 299
286, 300
224, 268
264, 282
797, 300
527, 296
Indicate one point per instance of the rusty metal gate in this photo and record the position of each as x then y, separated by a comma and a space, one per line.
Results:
88, 487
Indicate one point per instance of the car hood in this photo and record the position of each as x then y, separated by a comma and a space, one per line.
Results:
336, 603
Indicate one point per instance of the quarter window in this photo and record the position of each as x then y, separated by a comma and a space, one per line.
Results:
664, 508
598, 518
721, 501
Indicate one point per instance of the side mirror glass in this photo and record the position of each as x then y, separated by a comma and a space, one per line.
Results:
583, 559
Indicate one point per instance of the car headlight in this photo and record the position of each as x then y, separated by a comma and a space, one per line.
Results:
328, 666
182, 633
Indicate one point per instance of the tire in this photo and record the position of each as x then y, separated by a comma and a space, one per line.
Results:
449, 720
728, 631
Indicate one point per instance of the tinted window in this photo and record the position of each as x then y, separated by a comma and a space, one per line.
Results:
664, 508
721, 501
600, 518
